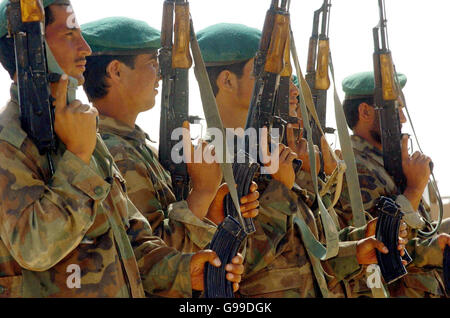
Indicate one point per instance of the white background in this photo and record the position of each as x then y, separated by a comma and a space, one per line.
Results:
418, 37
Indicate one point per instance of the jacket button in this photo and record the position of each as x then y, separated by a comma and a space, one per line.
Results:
98, 190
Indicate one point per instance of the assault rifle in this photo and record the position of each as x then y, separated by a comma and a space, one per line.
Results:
267, 68
386, 97
175, 61
317, 69
25, 25
282, 116
268, 65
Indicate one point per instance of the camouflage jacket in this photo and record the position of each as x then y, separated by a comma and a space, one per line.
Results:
149, 187
375, 182
79, 217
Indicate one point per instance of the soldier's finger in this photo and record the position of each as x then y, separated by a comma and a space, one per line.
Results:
381, 247
303, 146
416, 156
253, 196
83, 108
338, 153
250, 206
74, 106
280, 148
188, 148
235, 269
233, 278
61, 93
290, 136
222, 192
403, 226
250, 214
209, 256
235, 287
403, 234
291, 157
405, 155
238, 259
264, 144
253, 186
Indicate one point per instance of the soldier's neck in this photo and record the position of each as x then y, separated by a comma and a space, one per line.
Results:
232, 115
365, 134
116, 108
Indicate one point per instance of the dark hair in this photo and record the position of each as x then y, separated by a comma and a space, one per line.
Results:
351, 109
95, 75
7, 53
214, 72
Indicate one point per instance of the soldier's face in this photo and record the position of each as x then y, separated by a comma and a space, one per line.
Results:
245, 85
141, 82
66, 42
293, 100
375, 130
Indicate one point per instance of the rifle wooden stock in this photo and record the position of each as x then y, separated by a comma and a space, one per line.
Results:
181, 56
274, 62
322, 80
389, 88
287, 69
32, 11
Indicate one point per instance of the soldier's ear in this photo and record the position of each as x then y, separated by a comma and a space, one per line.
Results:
226, 81
366, 112
113, 71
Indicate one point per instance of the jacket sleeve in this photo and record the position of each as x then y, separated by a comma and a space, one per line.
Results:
164, 271
42, 222
174, 222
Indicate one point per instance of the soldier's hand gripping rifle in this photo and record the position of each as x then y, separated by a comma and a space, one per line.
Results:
175, 61
26, 26
386, 102
317, 69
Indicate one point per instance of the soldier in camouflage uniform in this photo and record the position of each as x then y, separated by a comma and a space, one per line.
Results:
149, 185
79, 217
277, 263
375, 182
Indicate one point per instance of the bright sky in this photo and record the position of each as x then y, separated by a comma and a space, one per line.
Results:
415, 29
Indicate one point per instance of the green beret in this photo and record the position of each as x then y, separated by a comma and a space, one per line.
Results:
226, 43
3, 18
121, 35
361, 85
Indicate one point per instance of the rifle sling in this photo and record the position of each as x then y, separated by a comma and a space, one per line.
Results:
213, 119
330, 228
